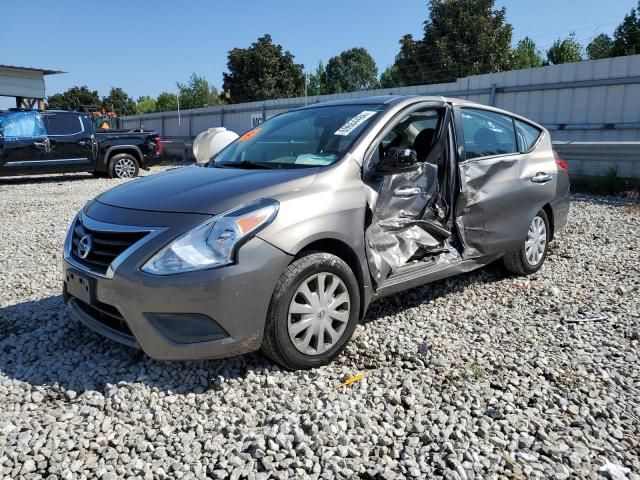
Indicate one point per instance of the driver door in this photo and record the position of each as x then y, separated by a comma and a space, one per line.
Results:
408, 214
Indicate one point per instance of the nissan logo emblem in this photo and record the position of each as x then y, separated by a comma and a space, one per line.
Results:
84, 246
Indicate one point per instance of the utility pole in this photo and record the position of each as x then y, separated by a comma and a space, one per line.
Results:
178, 99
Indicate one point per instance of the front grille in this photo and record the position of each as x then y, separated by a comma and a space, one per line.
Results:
105, 314
106, 245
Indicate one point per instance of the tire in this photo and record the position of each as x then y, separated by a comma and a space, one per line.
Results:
285, 333
524, 262
123, 165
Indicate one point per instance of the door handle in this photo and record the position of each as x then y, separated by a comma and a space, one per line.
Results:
45, 145
542, 177
407, 192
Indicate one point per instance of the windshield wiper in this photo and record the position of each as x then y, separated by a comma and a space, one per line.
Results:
248, 164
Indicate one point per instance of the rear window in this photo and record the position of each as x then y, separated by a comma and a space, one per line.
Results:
63, 124
527, 135
487, 133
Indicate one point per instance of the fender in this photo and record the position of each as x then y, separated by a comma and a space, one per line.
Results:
112, 150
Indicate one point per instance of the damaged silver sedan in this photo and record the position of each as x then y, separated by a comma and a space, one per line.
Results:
281, 240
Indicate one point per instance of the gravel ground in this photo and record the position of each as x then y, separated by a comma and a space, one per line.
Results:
478, 376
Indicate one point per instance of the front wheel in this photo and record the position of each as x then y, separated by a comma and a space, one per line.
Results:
313, 312
123, 165
531, 256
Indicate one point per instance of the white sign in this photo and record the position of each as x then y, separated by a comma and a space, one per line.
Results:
256, 120
354, 123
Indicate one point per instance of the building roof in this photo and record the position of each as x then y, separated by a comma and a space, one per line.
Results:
44, 71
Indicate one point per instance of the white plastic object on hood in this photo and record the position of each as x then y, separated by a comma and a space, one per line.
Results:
210, 142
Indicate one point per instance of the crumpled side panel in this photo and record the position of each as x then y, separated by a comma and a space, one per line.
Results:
402, 226
475, 225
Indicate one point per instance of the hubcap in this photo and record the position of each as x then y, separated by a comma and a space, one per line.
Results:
536, 241
318, 314
125, 168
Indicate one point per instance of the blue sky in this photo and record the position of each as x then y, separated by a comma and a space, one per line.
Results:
146, 46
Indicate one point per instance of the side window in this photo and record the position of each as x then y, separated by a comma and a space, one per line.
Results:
487, 133
527, 135
22, 125
63, 124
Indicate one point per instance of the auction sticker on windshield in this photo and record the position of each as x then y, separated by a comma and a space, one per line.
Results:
354, 123
249, 135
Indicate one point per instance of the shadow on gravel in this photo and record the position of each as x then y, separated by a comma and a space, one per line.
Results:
43, 345
494, 272
60, 178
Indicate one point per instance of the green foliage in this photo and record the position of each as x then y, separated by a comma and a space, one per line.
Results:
389, 78
317, 84
568, 50
196, 93
526, 55
461, 38
352, 70
167, 102
261, 72
626, 39
465, 37
118, 101
600, 47
74, 99
146, 104
409, 62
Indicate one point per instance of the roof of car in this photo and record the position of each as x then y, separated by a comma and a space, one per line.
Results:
391, 100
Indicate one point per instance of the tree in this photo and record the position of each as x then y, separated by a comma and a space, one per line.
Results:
389, 78
261, 72
526, 55
196, 93
317, 84
461, 38
409, 64
74, 99
167, 102
146, 104
626, 38
600, 47
351, 71
214, 97
568, 50
118, 101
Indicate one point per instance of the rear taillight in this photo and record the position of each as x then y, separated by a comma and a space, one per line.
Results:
560, 162
159, 146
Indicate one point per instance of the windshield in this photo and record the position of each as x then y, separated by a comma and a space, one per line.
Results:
313, 137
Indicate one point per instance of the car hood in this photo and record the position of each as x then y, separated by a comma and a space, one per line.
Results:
196, 189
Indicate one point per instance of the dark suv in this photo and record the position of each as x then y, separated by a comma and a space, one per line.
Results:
33, 142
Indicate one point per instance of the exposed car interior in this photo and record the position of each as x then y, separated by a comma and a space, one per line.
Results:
411, 214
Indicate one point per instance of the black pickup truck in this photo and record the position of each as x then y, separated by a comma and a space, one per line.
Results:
52, 141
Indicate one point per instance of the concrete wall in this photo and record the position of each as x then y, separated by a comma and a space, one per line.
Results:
21, 83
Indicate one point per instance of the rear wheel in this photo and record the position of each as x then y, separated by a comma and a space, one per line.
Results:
313, 312
123, 165
531, 256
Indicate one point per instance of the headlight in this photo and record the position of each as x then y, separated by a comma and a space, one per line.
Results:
214, 242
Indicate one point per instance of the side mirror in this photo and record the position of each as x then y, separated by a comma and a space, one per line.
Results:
210, 142
398, 160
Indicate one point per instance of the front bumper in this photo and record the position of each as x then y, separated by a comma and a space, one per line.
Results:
207, 314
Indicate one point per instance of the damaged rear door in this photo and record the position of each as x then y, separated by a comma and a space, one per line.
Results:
503, 183
408, 190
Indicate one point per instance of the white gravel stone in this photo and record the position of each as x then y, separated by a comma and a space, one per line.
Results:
477, 376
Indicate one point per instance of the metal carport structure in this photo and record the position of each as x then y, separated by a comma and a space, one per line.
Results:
26, 84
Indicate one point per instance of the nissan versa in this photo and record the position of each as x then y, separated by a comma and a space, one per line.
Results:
283, 238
